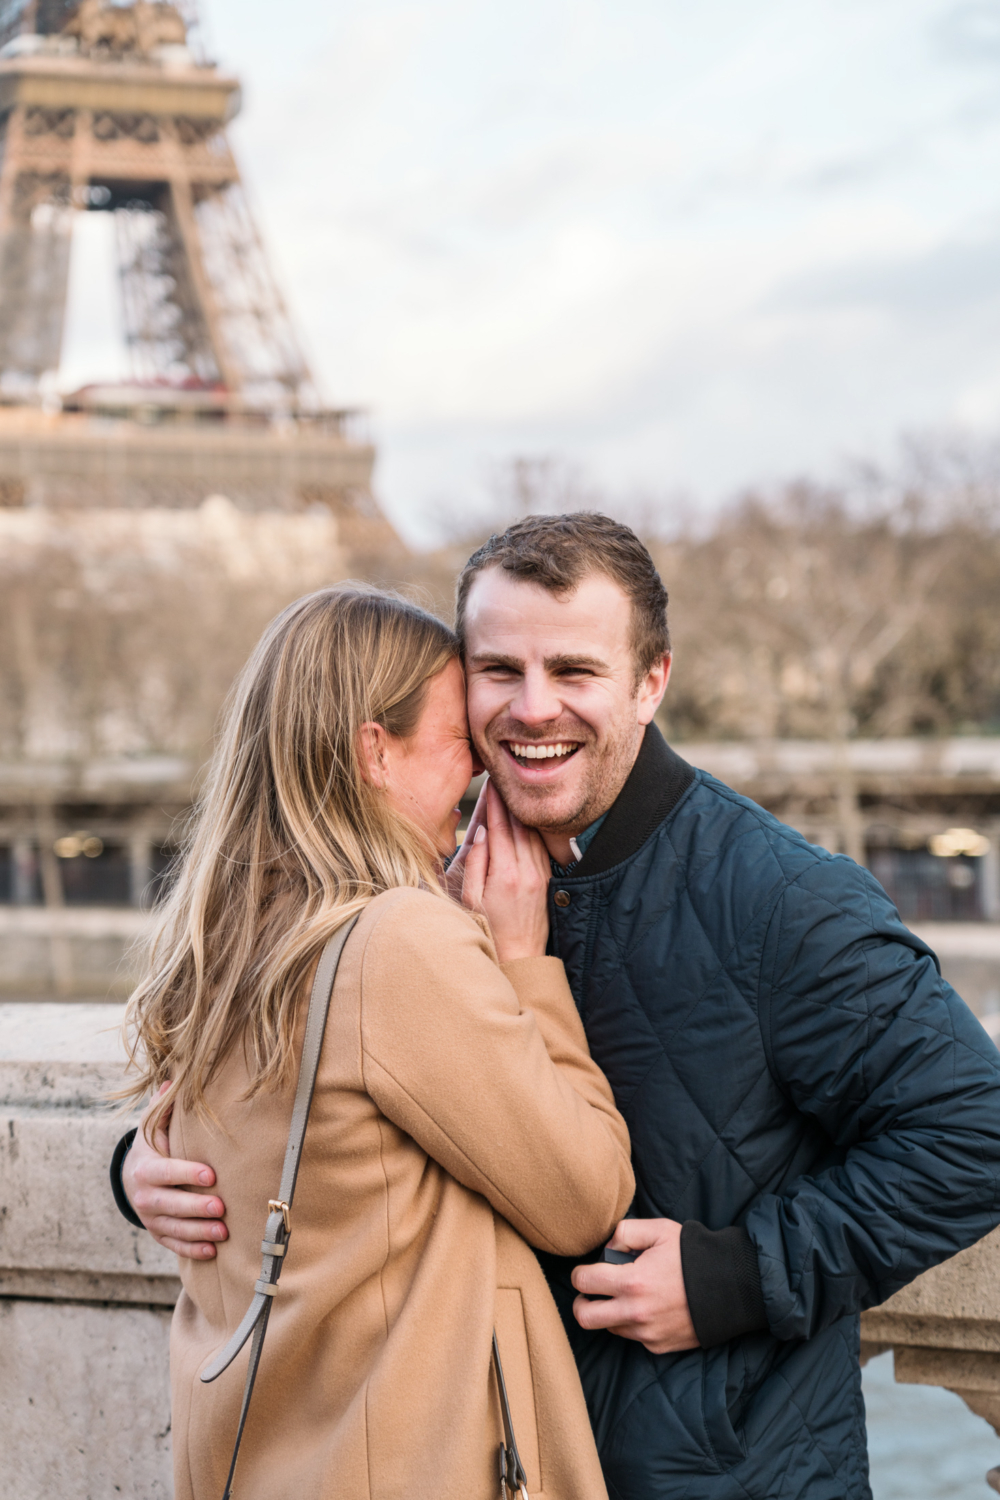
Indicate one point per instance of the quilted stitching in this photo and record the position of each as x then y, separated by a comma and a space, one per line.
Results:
765, 1020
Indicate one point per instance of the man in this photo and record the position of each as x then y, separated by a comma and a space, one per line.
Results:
815, 1115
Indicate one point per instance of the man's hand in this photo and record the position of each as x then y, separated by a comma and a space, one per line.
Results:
647, 1301
154, 1182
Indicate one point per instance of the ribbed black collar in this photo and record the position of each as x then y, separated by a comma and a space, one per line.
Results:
654, 787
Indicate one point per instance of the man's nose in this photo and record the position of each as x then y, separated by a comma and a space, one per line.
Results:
536, 701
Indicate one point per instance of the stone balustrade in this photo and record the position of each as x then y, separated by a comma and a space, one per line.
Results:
944, 1329
84, 1299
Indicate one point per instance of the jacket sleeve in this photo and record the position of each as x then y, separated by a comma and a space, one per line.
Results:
869, 1042
488, 1070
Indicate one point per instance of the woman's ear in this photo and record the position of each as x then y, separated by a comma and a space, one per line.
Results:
372, 750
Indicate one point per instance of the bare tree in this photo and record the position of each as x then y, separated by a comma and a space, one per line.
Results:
799, 616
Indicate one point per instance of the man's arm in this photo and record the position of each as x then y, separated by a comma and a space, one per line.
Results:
154, 1185
867, 1039
869, 1042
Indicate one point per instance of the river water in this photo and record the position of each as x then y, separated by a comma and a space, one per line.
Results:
923, 1442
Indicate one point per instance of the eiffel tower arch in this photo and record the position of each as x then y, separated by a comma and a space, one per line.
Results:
111, 108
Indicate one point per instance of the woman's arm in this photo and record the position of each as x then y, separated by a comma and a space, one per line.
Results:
489, 1071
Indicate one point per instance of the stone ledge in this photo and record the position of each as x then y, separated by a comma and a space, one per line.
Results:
89, 1286
942, 1331
74, 921
958, 1370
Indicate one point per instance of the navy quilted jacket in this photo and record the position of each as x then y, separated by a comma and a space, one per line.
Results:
789, 1059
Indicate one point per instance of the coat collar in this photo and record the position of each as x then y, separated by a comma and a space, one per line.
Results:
654, 787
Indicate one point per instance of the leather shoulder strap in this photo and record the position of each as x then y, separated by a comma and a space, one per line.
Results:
279, 1218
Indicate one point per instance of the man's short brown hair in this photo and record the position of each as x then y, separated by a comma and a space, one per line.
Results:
558, 551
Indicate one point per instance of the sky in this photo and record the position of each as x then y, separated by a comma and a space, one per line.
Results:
683, 248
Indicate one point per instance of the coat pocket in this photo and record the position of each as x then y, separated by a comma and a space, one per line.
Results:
512, 1338
720, 1386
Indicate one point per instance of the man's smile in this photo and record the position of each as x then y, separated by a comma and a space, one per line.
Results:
540, 756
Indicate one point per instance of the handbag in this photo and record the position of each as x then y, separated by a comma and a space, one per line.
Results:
278, 1229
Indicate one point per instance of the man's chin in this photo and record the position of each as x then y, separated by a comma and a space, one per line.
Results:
551, 808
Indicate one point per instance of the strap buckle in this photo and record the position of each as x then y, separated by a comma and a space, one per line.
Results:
276, 1206
512, 1476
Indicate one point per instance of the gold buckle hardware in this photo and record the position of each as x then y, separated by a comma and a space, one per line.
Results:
274, 1206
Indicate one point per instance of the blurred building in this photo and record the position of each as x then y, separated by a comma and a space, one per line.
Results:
78, 867
147, 528
926, 812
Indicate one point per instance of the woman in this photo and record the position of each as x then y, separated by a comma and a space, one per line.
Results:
457, 1113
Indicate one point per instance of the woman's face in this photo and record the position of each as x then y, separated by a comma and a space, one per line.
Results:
426, 774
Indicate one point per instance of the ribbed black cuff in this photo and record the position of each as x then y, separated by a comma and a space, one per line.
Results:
117, 1186
722, 1281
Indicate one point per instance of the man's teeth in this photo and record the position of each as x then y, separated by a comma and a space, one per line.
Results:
541, 752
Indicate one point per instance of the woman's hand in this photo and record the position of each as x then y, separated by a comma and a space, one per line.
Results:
507, 874
155, 1183
454, 879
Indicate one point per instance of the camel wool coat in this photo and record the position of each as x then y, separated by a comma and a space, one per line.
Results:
457, 1116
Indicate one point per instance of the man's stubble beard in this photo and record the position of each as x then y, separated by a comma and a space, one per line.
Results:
607, 775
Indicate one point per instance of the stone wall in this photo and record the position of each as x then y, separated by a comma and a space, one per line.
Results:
70, 951
84, 1299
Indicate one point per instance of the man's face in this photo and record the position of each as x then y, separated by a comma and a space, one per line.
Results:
554, 708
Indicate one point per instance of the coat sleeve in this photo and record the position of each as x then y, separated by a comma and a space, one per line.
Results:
489, 1072
869, 1042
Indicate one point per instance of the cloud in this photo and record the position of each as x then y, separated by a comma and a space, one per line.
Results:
686, 245
955, 277
970, 32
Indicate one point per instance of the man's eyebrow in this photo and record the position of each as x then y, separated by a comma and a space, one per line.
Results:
551, 663
562, 663
496, 659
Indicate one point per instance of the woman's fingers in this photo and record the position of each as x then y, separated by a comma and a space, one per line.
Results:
529, 851
514, 893
501, 836
477, 821
476, 870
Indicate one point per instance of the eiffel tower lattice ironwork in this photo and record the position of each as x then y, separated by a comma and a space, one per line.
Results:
109, 108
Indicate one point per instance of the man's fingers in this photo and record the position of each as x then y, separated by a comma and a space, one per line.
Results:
161, 1138
190, 1231
619, 1318
613, 1313
199, 1251
169, 1171
637, 1234
601, 1280
153, 1202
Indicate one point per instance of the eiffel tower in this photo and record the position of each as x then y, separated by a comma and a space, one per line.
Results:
113, 108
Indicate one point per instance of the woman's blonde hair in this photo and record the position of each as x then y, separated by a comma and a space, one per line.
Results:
288, 841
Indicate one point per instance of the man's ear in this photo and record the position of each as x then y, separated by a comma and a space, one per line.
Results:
652, 688
372, 753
